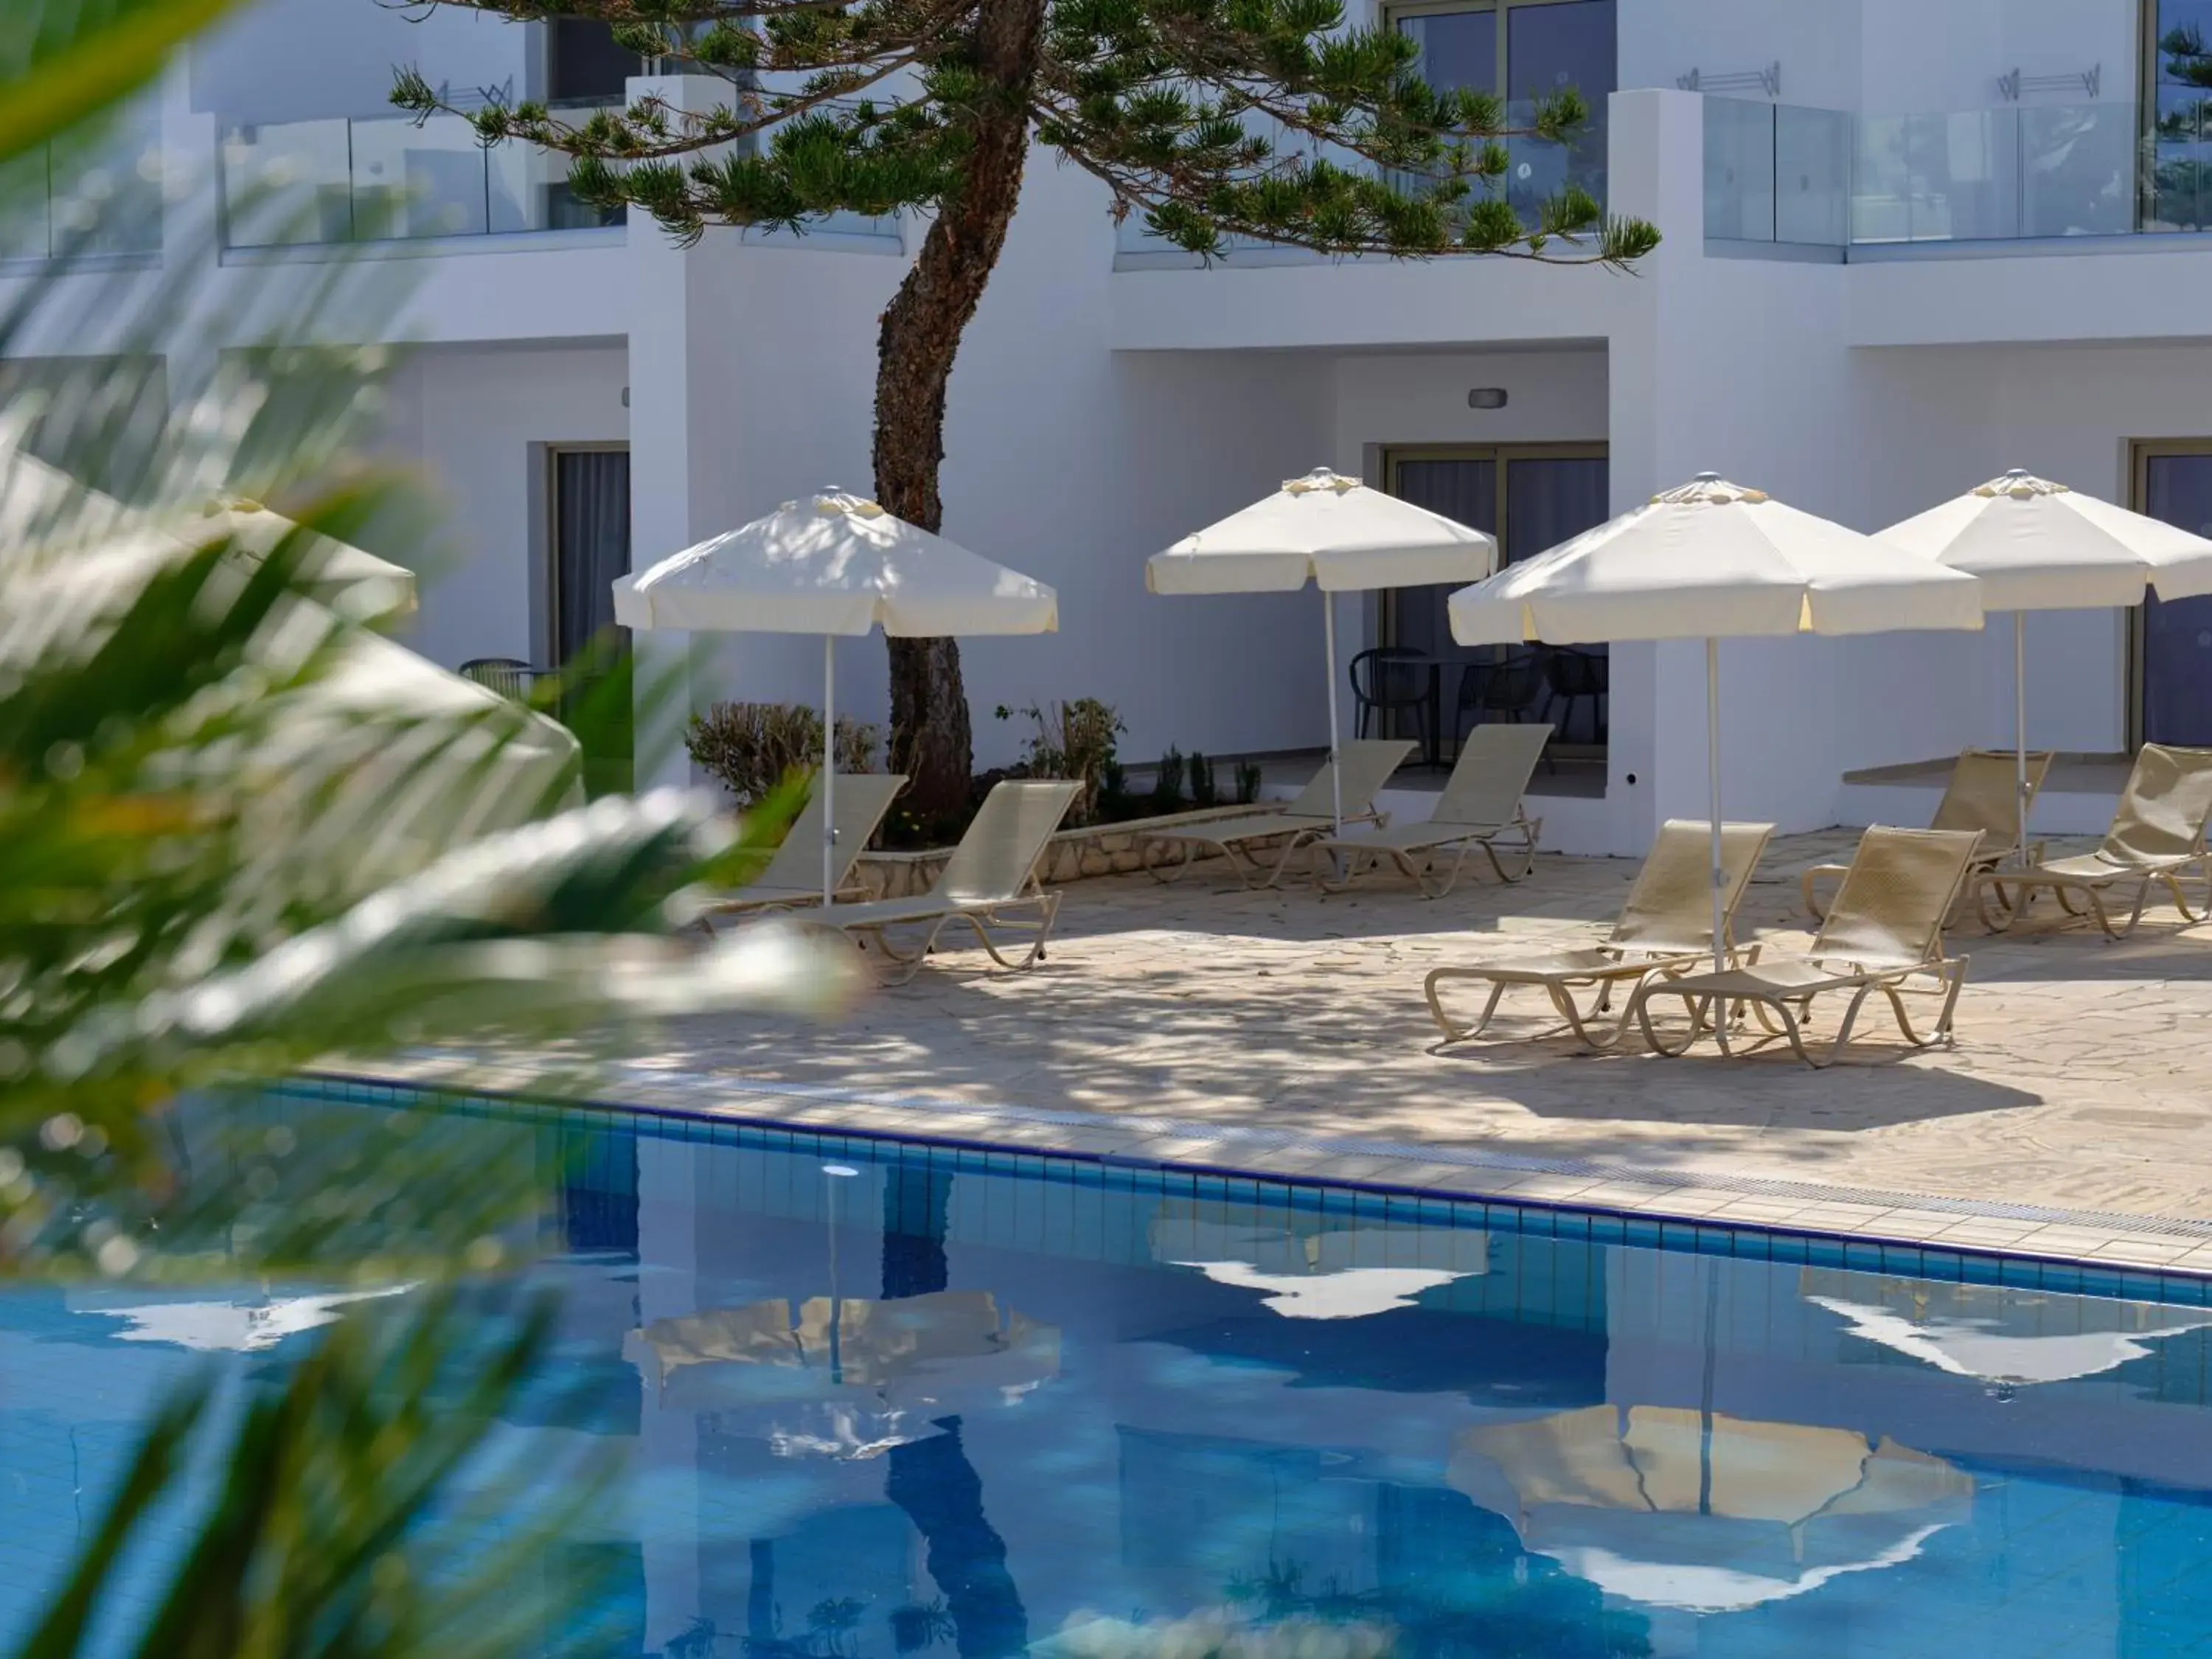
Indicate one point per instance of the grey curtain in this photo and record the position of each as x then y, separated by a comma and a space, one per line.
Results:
1465, 489
2178, 633
591, 541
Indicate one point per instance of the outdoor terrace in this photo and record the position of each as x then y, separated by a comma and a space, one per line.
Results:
1284, 1033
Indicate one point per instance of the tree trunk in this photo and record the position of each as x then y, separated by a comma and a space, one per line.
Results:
931, 740
932, 1478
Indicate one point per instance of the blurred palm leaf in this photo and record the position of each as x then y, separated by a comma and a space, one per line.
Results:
333, 1528
239, 832
64, 61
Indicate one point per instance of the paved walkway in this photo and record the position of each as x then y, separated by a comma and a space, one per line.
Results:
1285, 1031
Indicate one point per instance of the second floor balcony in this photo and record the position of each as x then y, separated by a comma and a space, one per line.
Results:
1869, 185
389, 178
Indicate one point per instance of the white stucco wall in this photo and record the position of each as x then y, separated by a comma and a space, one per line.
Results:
469, 419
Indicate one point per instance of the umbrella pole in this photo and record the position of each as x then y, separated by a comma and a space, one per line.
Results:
1328, 649
2019, 725
829, 765
1713, 786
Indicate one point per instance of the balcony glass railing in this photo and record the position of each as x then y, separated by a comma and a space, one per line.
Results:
396, 179
1535, 169
56, 203
388, 178
1778, 174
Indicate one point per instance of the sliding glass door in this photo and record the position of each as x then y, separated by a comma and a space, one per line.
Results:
1531, 497
2174, 659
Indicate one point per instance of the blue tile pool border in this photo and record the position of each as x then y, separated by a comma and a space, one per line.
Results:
1560, 1219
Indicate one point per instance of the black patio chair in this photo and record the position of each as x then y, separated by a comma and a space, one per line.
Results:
1579, 676
1396, 680
1511, 691
510, 676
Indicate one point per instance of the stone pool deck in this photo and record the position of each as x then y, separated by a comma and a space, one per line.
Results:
1284, 1033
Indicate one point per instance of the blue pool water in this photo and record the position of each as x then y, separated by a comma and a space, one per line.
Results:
877, 1400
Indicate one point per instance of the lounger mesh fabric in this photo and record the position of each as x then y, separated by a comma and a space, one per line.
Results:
1367, 766
993, 870
1665, 927
2157, 834
1479, 804
793, 873
1885, 929
1981, 795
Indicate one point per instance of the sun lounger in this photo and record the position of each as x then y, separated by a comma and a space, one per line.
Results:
1665, 927
1883, 934
1367, 767
794, 874
1480, 805
1984, 794
992, 871
2157, 836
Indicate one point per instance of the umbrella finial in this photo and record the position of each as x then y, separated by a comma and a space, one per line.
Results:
1708, 489
1321, 478
2021, 485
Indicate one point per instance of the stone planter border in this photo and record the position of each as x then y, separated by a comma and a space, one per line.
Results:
1098, 849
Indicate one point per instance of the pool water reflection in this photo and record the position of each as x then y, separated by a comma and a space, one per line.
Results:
874, 1405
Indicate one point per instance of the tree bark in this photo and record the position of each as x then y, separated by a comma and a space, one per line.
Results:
931, 739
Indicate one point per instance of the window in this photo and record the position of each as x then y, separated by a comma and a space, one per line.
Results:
1531, 497
1523, 51
2174, 652
583, 64
2178, 114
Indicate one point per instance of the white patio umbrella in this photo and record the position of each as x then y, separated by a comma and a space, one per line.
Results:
2036, 545
1703, 561
1995, 1332
1697, 1509
1335, 532
829, 564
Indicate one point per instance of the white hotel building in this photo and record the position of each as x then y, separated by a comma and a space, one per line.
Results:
1909, 244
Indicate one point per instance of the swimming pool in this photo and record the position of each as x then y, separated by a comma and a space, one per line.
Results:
878, 1400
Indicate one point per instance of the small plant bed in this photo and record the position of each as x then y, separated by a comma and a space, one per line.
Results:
750, 747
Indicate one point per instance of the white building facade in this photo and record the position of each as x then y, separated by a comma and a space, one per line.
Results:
1907, 246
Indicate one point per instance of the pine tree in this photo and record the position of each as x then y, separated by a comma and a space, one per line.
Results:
1212, 119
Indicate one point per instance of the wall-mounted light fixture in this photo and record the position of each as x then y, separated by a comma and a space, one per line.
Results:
1487, 397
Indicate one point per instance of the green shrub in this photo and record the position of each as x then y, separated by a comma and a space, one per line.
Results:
1248, 783
750, 747
1202, 792
1074, 740
1167, 783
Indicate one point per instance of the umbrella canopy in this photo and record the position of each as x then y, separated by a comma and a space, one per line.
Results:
1336, 534
2039, 546
838, 1374
834, 564
2035, 545
1706, 560
387, 761
1999, 1334
36, 497
1310, 1266
906, 1344
354, 584
1326, 529
1699, 1509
